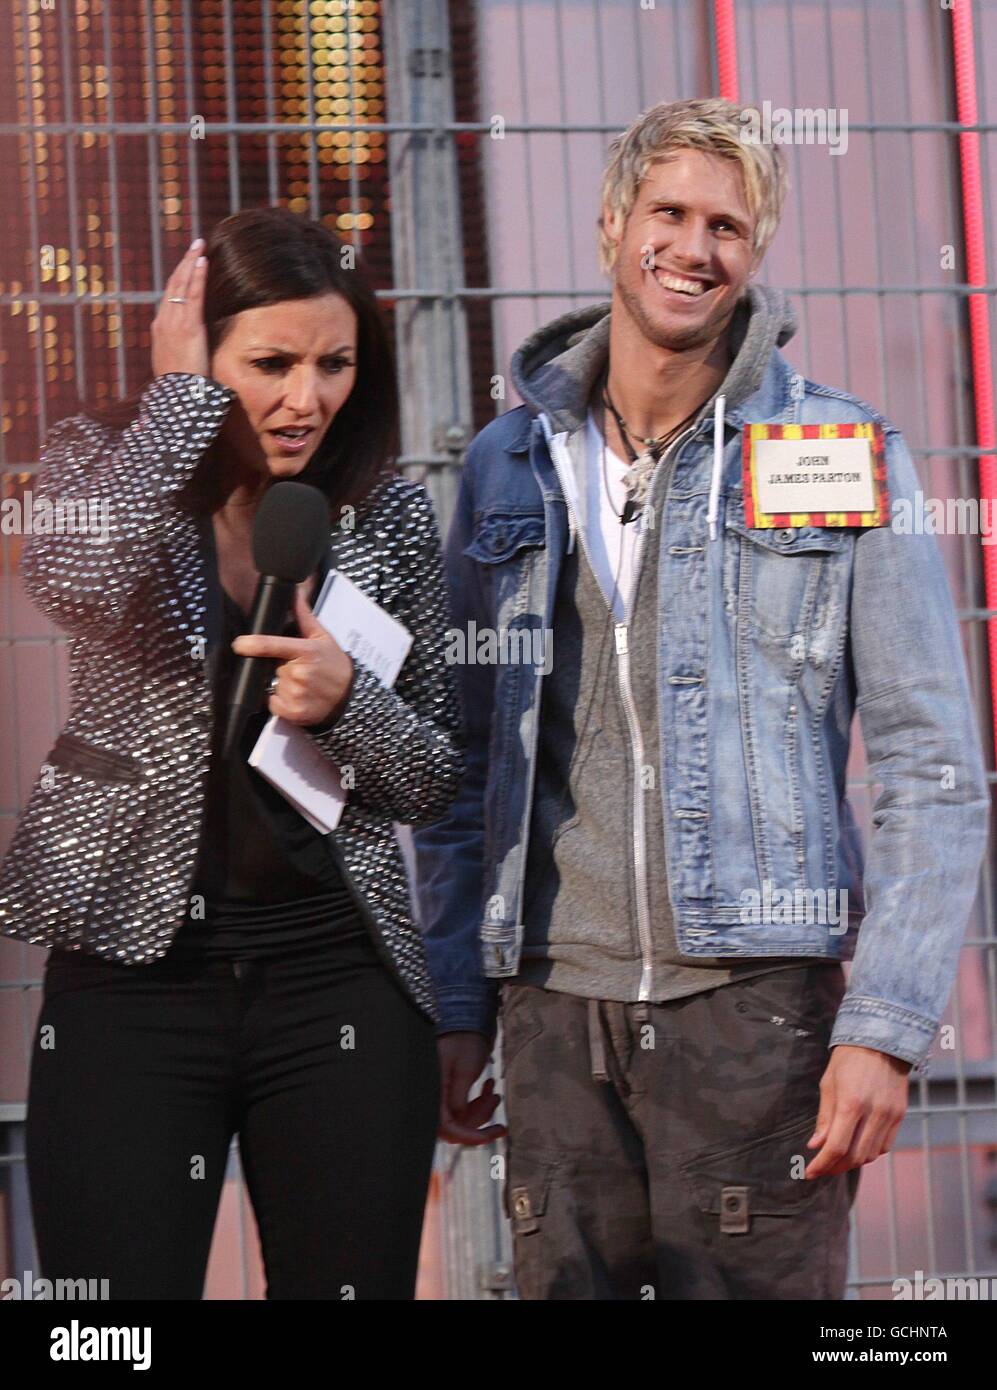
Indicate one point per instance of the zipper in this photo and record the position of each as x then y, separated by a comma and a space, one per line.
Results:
524, 828
621, 632
639, 834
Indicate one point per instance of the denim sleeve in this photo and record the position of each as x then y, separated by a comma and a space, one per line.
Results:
449, 854
930, 817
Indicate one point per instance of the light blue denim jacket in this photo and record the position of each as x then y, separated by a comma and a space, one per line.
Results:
769, 641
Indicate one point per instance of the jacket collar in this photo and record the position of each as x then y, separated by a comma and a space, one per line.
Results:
769, 402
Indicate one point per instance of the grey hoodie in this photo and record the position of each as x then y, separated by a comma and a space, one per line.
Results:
588, 853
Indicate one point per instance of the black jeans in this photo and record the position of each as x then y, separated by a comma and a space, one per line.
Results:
140, 1076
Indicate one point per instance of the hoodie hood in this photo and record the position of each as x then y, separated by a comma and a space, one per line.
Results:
555, 370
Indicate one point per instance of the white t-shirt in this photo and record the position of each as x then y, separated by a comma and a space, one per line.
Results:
612, 547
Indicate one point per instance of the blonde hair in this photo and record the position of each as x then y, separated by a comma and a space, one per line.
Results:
706, 123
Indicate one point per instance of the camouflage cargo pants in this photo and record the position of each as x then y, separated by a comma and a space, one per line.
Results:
655, 1150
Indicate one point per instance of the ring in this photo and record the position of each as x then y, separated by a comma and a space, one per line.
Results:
272, 687
177, 299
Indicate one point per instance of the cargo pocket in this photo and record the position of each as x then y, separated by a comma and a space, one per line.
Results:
525, 1195
538, 1247
773, 1234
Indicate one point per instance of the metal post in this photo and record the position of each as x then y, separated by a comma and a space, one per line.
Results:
434, 381
427, 251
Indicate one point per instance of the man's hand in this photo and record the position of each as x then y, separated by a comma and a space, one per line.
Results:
462, 1060
314, 675
863, 1099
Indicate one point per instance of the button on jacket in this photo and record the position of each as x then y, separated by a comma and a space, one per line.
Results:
103, 856
769, 641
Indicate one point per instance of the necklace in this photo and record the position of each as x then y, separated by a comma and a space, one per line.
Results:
629, 506
637, 479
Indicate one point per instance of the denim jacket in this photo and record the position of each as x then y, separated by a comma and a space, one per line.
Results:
770, 640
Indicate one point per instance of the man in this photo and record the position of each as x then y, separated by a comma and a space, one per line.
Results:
653, 848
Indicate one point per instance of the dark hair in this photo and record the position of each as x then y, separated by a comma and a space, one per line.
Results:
266, 255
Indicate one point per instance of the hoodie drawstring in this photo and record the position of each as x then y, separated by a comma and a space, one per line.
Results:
566, 478
716, 475
718, 464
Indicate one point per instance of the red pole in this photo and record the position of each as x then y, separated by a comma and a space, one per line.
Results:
979, 326
976, 273
726, 31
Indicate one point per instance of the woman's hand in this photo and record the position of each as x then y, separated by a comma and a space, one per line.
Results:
315, 674
179, 337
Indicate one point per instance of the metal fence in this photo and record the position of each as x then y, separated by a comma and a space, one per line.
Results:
461, 147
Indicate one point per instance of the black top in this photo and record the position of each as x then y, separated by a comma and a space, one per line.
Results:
269, 880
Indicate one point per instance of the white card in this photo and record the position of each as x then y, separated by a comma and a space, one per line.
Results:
284, 754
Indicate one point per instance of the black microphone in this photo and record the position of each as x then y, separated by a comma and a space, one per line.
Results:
290, 535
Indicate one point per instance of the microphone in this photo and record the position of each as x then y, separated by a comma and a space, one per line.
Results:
290, 535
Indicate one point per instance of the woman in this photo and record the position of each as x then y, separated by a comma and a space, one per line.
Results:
217, 965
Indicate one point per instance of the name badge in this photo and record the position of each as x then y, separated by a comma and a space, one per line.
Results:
815, 475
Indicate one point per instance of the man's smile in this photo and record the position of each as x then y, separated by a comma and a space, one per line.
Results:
683, 289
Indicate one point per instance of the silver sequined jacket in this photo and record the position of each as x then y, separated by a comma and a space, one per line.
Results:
103, 856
